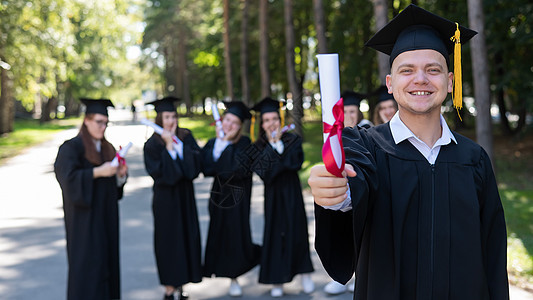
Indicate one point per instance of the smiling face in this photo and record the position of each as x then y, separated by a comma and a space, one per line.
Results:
351, 115
387, 109
169, 119
231, 123
270, 121
420, 81
96, 125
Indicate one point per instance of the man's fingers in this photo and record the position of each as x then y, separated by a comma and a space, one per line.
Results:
330, 192
322, 201
326, 182
349, 171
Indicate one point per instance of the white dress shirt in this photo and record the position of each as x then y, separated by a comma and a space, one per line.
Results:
400, 132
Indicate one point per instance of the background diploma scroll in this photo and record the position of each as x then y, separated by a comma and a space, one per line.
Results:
159, 131
332, 113
216, 116
121, 154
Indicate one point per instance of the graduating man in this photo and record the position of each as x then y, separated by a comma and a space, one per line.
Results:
418, 215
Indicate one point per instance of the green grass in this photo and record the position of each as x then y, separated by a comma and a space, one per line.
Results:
200, 127
27, 133
515, 182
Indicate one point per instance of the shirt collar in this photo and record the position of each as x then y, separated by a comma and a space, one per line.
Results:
400, 132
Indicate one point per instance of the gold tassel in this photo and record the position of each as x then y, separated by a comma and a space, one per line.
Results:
457, 94
282, 116
252, 125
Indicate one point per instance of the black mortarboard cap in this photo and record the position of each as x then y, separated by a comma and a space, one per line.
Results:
267, 105
239, 109
415, 29
383, 94
165, 104
352, 98
96, 106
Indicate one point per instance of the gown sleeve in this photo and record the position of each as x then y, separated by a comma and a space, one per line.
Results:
493, 231
208, 163
339, 234
192, 158
76, 181
272, 163
160, 165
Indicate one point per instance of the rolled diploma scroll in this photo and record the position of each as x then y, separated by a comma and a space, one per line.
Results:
285, 128
159, 131
328, 73
122, 153
216, 116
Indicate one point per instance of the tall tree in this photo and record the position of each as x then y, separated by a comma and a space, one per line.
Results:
320, 26
244, 53
7, 111
263, 48
227, 52
381, 19
294, 85
481, 76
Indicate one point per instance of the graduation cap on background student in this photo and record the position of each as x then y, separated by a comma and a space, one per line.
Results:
383, 94
165, 104
96, 106
415, 29
239, 109
352, 98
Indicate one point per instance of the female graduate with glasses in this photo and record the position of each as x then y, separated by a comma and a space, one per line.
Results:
285, 251
230, 251
173, 166
91, 187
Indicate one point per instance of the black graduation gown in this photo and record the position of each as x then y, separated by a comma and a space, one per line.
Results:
91, 223
416, 231
176, 228
229, 251
285, 250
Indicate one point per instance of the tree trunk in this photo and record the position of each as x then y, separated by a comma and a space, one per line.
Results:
381, 16
183, 68
227, 53
481, 79
263, 48
7, 115
320, 25
297, 111
244, 54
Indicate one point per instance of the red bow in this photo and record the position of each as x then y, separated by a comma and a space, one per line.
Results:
121, 160
334, 130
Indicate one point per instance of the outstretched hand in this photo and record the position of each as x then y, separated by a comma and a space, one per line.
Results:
327, 189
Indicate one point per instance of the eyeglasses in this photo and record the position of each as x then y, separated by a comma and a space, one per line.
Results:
101, 123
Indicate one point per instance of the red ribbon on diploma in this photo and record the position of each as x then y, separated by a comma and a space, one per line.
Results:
121, 160
334, 130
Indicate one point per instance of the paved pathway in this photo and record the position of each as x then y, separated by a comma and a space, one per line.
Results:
32, 239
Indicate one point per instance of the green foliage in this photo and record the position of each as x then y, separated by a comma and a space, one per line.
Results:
30, 132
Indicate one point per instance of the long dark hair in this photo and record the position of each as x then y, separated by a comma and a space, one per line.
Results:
107, 151
263, 139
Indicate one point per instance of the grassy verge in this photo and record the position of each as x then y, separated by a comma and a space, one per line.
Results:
514, 165
27, 133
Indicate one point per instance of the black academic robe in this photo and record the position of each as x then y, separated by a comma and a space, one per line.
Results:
229, 251
91, 223
285, 250
417, 230
176, 228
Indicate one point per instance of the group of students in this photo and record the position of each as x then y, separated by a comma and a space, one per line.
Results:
417, 214
92, 187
